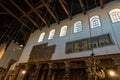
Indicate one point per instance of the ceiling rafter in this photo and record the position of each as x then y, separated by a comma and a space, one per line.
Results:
4, 13
48, 7
11, 13
36, 8
25, 36
16, 32
32, 8
24, 13
82, 6
66, 9
101, 4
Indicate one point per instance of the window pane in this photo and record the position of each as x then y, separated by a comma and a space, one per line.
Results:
63, 31
41, 37
115, 15
51, 34
77, 27
95, 22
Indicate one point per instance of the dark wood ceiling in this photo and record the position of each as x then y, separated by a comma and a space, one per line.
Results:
19, 18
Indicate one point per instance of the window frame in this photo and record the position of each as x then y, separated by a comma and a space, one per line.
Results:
63, 33
76, 26
51, 34
41, 37
95, 21
114, 15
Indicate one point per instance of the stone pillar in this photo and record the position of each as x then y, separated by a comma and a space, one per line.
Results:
38, 66
50, 71
88, 74
67, 70
27, 67
16, 72
117, 64
2, 74
88, 70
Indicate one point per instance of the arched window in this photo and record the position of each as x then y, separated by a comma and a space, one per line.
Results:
63, 31
115, 15
95, 21
77, 26
41, 37
51, 34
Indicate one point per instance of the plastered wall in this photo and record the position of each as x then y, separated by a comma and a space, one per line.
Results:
13, 52
60, 42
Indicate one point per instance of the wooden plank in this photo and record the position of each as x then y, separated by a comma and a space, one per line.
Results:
101, 4
66, 9
82, 6
4, 13
11, 13
37, 7
44, 21
51, 12
24, 13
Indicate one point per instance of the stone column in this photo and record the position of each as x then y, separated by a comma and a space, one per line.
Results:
27, 67
67, 70
88, 70
38, 66
16, 72
50, 71
117, 64
2, 74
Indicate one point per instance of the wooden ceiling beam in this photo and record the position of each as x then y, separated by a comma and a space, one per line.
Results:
82, 6
65, 8
37, 7
24, 13
11, 13
32, 8
101, 4
4, 13
47, 6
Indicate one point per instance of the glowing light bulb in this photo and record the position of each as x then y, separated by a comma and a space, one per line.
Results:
23, 72
112, 73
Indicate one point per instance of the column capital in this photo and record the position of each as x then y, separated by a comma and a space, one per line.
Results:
38, 65
67, 64
50, 64
67, 70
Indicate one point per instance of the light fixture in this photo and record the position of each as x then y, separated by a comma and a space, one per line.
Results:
112, 73
21, 45
23, 72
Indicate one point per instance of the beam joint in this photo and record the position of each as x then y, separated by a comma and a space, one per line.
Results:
82, 6
24, 13
65, 8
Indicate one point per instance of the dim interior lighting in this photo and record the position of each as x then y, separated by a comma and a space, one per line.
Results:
21, 45
112, 73
23, 72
